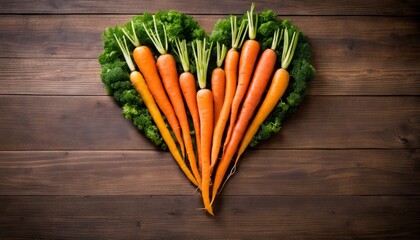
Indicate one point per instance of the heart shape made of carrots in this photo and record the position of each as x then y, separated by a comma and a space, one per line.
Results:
206, 98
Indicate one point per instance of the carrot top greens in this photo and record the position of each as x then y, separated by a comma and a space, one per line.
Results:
162, 47
221, 54
182, 52
276, 38
252, 26
238, 35
230, 31
115, 71
297, 59
202, 58
126, 53
288, 49
131, 36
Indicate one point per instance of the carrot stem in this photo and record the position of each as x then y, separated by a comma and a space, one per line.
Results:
202, 58
252, 28
155, 37
238, 36
132, 36
277, 38
182, 52
221, 54
288, 49
126, 53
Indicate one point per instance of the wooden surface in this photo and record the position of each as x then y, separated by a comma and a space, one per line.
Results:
346, 165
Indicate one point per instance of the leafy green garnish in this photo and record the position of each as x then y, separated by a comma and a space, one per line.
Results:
115, 72
299, 66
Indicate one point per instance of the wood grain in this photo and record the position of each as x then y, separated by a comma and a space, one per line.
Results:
260, 173
177, 217
370, 70
51, 77
345, 166
65, 123
81, 77
284, 7
365, 39
96, 123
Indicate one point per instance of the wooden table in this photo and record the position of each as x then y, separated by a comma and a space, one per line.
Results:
346, 165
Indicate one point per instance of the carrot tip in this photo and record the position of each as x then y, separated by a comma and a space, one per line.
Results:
209, 210
212, 199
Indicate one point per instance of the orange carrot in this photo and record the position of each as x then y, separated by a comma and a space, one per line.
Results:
141, 87
262, 75
147, 65
247, 60
188, 87
167, 69
277, 88
231, 70
205, 105
218, 82
205, 110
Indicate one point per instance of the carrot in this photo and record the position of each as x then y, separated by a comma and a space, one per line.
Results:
205, 110
231, 70
167, 69
136, 78
263, 72
276, 90
146, 63
218, 82
247, 60
188, 87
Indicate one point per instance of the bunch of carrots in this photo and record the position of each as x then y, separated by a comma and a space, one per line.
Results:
245, 88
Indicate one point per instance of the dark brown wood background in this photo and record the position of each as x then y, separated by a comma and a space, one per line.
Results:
346, 165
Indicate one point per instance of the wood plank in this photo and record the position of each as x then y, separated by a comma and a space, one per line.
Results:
326, 172
306, 7
351, 122
50, 77
81, 77
260, 172
91, 173
95, 123
375, 77
351, 72
345, 166
65, 123
177, 217
365, 39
